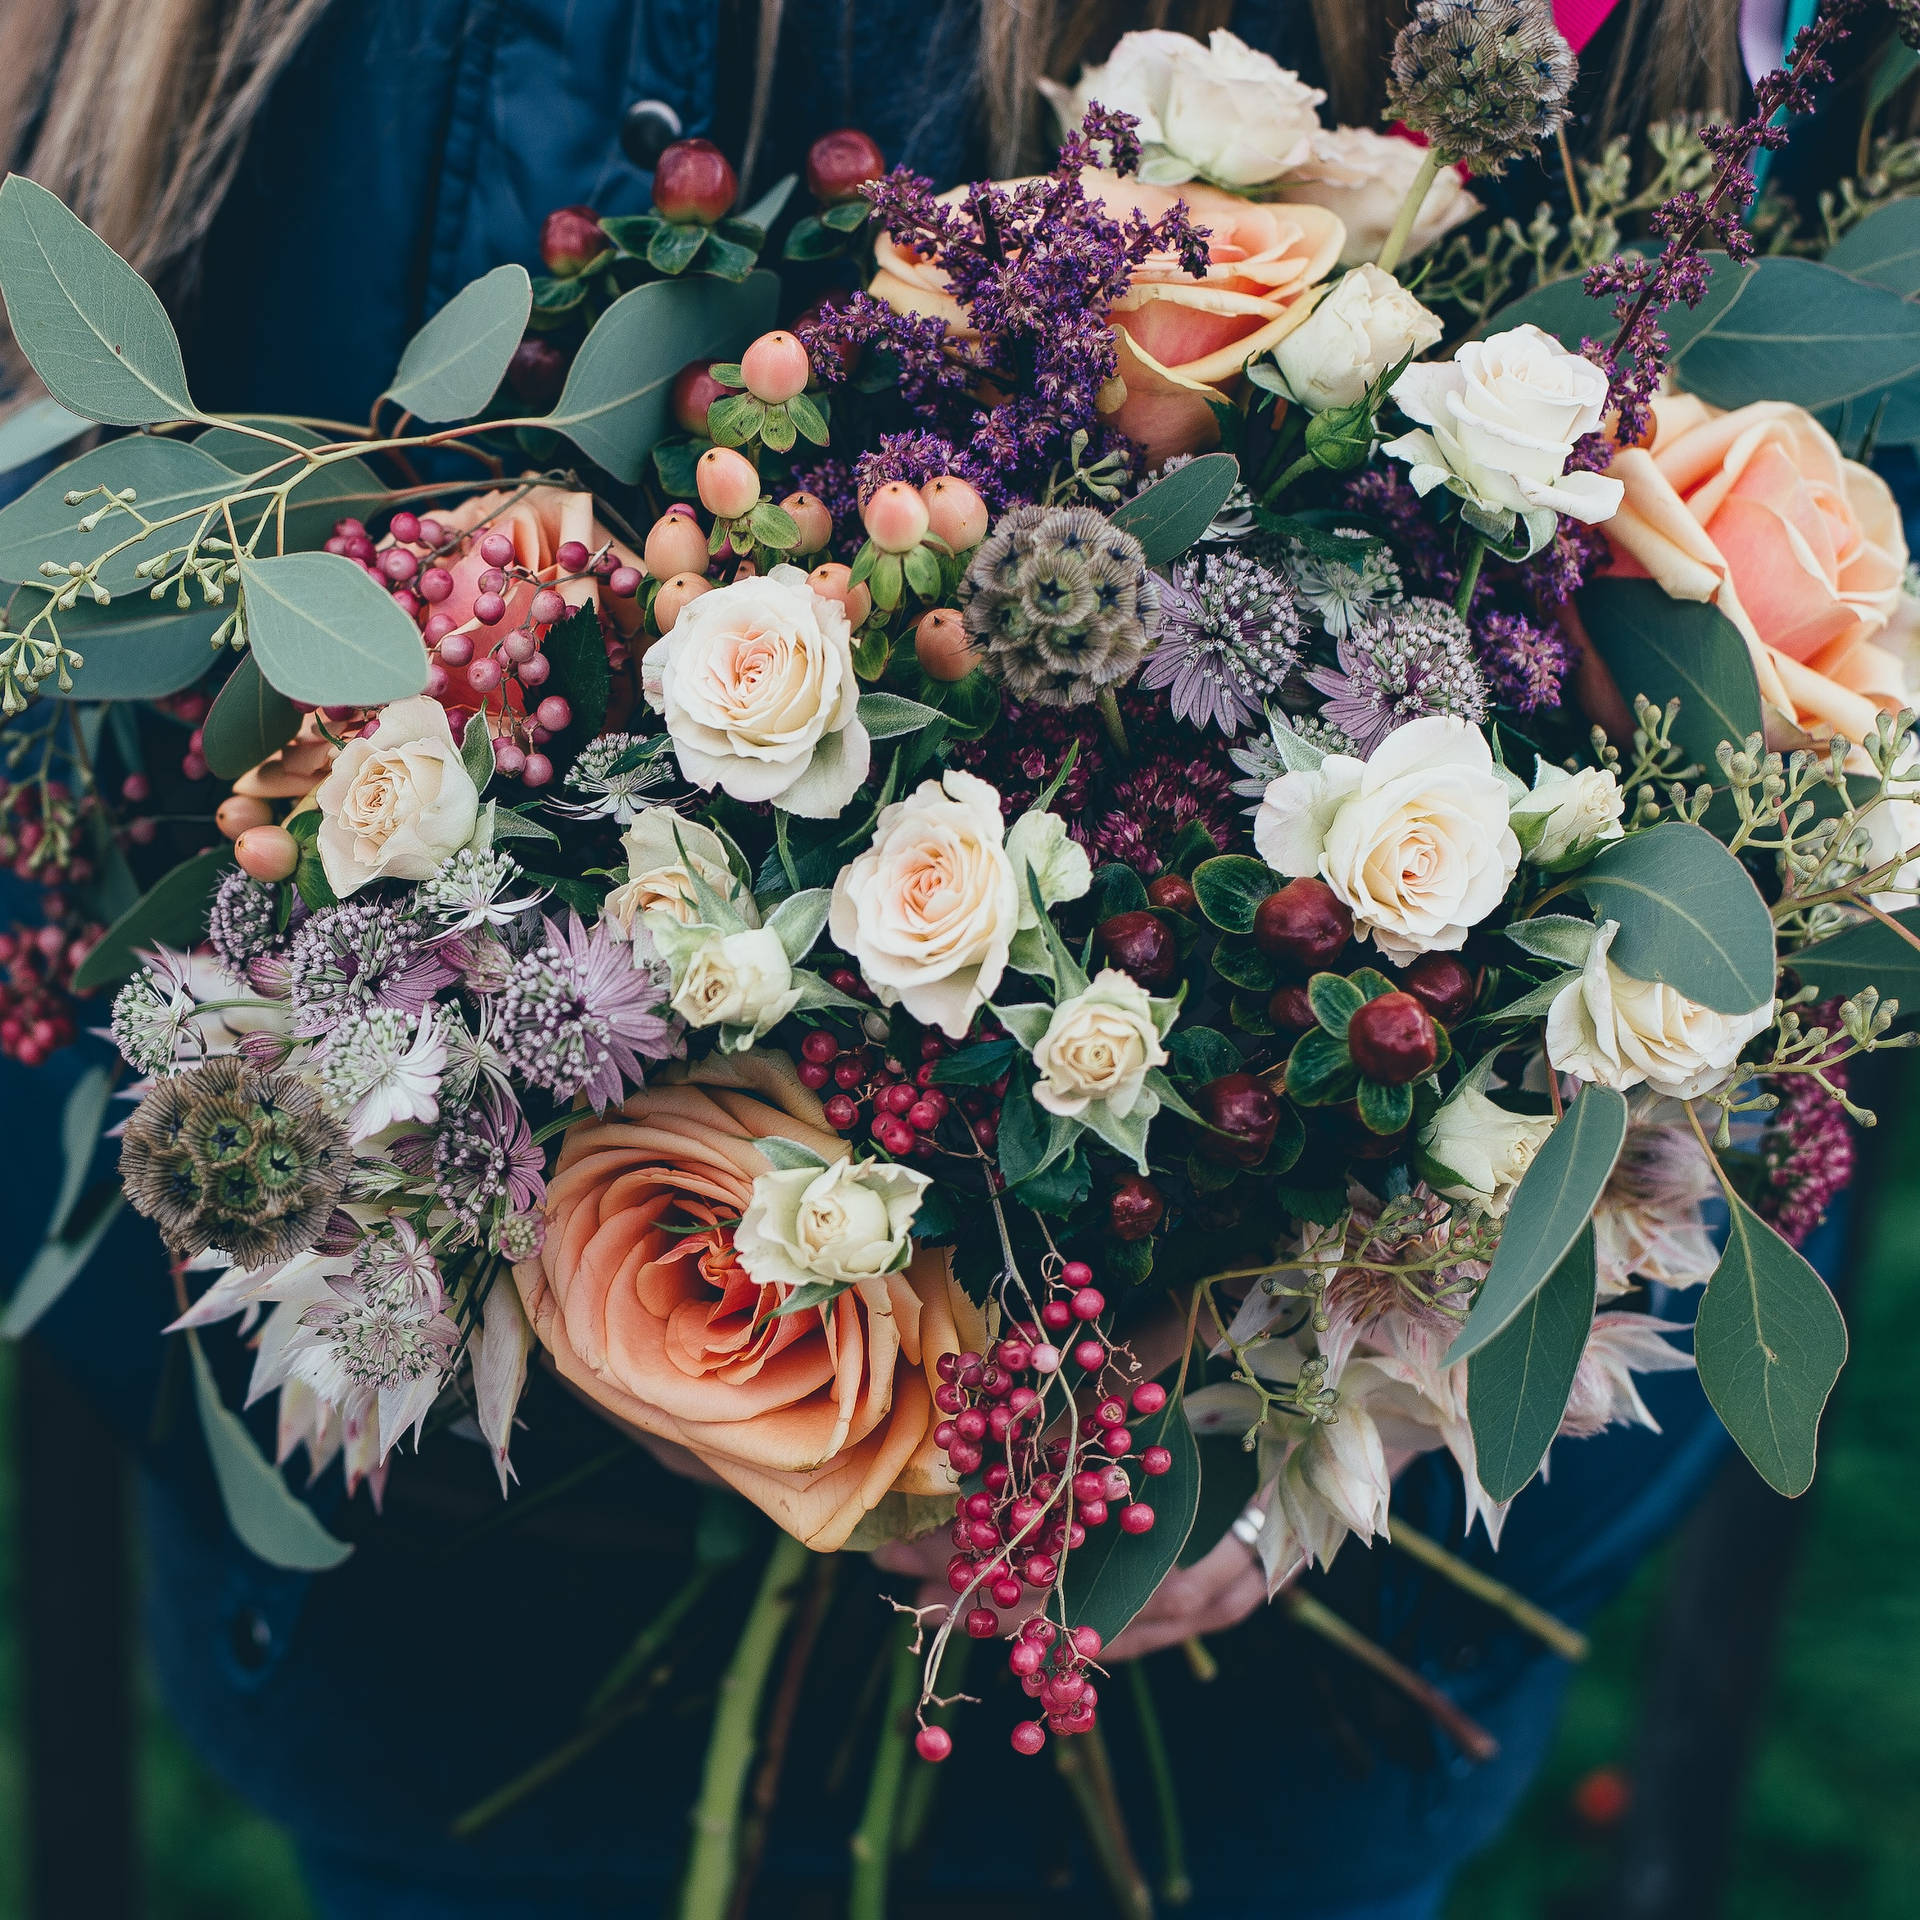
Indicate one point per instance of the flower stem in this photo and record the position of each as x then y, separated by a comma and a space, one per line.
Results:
872, 1843
1470, 576
924, 1782
1175, 1886
1081, 1761
652, 1637
1566, 1641
1402, 229
1304, 465
1110, 719
716, 1814
1205, 1668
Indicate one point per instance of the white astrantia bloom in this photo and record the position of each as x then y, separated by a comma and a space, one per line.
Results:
741, 982
1567, 817
476, 888
834, 1225
1483, 1147
1607, 1027
382, 1067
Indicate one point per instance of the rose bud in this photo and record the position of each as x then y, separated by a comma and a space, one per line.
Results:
671, 600
267, 853
693, 182
728, 484
1393, 1039
1291, 1010
1172, 893
237, 812
537, 371
676, 543
1305, 924
831, 581
955, 512
1244, 1113
694, 391
896, 518
809, 513
1443, 983
1142, 944
840, 163
1134, 1208
942, 646
775, 368
570, 237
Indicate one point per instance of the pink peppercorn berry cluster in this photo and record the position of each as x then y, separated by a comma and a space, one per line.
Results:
1037, 1500
899, 1108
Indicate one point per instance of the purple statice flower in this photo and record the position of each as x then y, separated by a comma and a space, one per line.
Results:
485, 1155
1229, 635
243, 921
581, 1010
365, 953
1560, 569
1807, 1145
1403, 663
831, 481
915, 458
1153, 803
1524, 664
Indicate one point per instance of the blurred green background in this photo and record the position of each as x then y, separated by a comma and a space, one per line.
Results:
1831, 1820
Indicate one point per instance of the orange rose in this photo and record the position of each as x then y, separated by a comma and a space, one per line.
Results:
1183, 342
816, 1415
294, 771
1802, 549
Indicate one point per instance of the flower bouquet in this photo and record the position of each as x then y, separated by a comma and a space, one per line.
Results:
1135, 832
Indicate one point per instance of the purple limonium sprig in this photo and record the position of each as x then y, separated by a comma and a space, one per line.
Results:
915, 458
1524, 665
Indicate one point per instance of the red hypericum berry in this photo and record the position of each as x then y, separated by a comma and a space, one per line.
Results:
1171, 892
775, 369
1088, 1303
933, 1743
1305, 924
1443, 983
537, 371
1156, 1461
1290, 1010
840, 163
1149, 1397
1242, 1114
569, 238
1137, 1518
1393, 1039
1090, 1355
1029, 1737
1135, 1207
693, 182
694, 391
1142, 944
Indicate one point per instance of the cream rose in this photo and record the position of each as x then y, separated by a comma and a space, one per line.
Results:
756, 685
1415, 841
1366, 323
1099, 1046
1620, 1032
664, 852
834, 1225
1483, 1147
1503, 415
1363, 176
398, 801
1567, 815
738, 980
930, 909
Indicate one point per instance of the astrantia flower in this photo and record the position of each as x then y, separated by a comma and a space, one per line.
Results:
382, 1068
1485, 80
615, 771
363, 954
1228, 637
153, 1013
1259, 758
1342, 593
1405, 662
385, 1330
580, 1011
477, 890
243, 920
486, 1155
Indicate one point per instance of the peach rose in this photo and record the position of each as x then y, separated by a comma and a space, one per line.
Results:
1802, 549
293, 772
816, 1415
1183, 342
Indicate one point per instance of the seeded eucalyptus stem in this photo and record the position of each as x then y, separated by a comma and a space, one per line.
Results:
1566, 1641
1402, 229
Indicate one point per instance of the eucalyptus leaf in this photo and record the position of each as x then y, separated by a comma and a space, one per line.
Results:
90, 327
1552, 1204
248, 720
32, 432
343, 488
452, 367
323, 631
173, 911
1769, 1343
54, 1268
1171, 514
1870, 954
1519, 1382
1885, 247
137, 650
61, 1254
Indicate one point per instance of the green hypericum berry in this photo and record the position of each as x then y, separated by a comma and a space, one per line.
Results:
1485, 80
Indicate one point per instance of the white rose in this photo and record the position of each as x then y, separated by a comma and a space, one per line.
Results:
1415, 840
834, 1225
728, 979
1225, 111
1504, 414
1363, 176
1608, 1027
930, 909
1485, 1146
398, 801
1366, 323
1567, 815
1099, 1045
1059, 864
660, 876
757, 688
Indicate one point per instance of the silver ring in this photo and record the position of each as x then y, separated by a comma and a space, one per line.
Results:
1248, 1526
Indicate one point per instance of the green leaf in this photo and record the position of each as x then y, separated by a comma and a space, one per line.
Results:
1384, 1109
773, 526
923, 572
1231, 886
36, 430
1868, 955
806, 415
976, 1066
1769, 1343
768, 208
1229, 1478
1320, 1070
1553, 1202
508, 825
64, 1252
846, 216
1027, 1132
453, 366
1559, 937
1115, 1573
91, 328
325, 632
810, 239
1891, 72
1885, 247
137, 649
1063, 1182
788, 1156
799, 919
734, 418
310, 880
172, 911
1202, 1054
1117, 889
616, 401
727, 259
55, 1267
338, 490
1689, 915
1170, 515
248, 720
266, 1516
672, 248
1534, 1004
1240, 963
886, 716
1518, 1383
476, 755
168, 477
577, 651
1335, 1000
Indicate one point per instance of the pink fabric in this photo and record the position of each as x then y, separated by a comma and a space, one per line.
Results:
1580, 20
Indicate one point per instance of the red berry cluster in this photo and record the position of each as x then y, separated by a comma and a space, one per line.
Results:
41, 830
901, 1111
